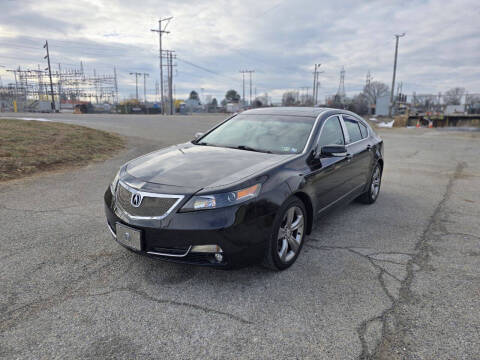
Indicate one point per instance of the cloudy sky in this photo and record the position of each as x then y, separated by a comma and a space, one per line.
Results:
280, 40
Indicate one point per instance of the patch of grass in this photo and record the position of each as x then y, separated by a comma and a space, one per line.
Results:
27, 147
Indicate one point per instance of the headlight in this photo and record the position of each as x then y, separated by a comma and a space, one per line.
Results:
214, 201
113, 185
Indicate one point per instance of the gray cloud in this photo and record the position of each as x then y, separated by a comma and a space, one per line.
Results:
280, 40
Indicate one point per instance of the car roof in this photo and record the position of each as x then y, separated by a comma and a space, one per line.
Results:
292, 111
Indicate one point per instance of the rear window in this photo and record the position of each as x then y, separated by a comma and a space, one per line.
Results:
353, 130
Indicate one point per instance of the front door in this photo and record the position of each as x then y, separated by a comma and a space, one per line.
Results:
328, 178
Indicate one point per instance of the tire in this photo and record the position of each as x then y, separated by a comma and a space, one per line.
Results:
286, 241
371, 195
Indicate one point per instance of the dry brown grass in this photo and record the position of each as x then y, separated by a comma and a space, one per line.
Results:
27, 147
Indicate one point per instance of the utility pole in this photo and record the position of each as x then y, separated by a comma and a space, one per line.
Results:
49, 74
367, 87
115, 84
59, 87
145, 87
243, 72
243, 85
96, 85
315, 83
170, 80
160, 32
137, 74
250, 72
397, 36
169, 56
1, 83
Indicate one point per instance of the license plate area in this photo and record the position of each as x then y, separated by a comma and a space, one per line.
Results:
128, 236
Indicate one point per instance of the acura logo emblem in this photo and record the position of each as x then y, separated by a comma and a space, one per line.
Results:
136, 199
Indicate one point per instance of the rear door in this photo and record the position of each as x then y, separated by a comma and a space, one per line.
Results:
359, 152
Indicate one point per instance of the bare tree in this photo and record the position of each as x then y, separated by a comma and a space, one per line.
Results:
426, 102
472, 99
454, 96
359, 104
473, 103
289, 98
375, 90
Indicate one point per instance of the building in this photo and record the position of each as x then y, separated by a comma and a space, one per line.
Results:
382, 105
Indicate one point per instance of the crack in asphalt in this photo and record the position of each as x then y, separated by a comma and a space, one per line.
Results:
13, 317
149, 297
362, 328
368, 257
420, 259
24, 312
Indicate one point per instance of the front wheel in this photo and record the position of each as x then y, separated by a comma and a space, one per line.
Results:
371, 195
287, 236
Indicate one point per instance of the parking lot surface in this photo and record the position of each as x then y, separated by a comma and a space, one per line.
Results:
397, 279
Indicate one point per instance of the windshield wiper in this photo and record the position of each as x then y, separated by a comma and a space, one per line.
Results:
248, 148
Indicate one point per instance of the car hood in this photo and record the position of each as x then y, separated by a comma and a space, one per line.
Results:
199, 167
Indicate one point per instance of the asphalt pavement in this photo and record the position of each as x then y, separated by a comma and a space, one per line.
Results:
399, 279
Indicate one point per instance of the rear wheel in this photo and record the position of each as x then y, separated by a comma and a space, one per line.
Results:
371, 195
287, 236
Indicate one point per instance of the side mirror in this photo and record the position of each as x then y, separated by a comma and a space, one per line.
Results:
333, 150
198, 135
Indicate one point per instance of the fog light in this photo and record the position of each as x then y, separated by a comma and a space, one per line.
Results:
218, 257
207, 249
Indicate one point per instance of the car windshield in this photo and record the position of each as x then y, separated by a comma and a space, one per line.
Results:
278, 134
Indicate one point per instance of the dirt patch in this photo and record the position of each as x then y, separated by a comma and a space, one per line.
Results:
28, 147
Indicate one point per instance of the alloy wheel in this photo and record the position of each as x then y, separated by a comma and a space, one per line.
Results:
290, 234
375, 187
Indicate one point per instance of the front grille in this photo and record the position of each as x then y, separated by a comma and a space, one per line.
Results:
150, 206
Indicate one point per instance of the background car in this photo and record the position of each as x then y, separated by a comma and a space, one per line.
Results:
249, 190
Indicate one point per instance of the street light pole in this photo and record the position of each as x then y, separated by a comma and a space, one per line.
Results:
397, 36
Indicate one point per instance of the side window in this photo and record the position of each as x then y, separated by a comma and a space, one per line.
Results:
353, 129
332, 133
363, 130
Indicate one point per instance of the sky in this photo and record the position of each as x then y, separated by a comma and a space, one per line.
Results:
280, 40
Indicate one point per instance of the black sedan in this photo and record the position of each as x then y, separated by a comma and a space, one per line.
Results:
249, 190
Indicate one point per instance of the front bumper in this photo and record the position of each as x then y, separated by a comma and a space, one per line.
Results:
241, 231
